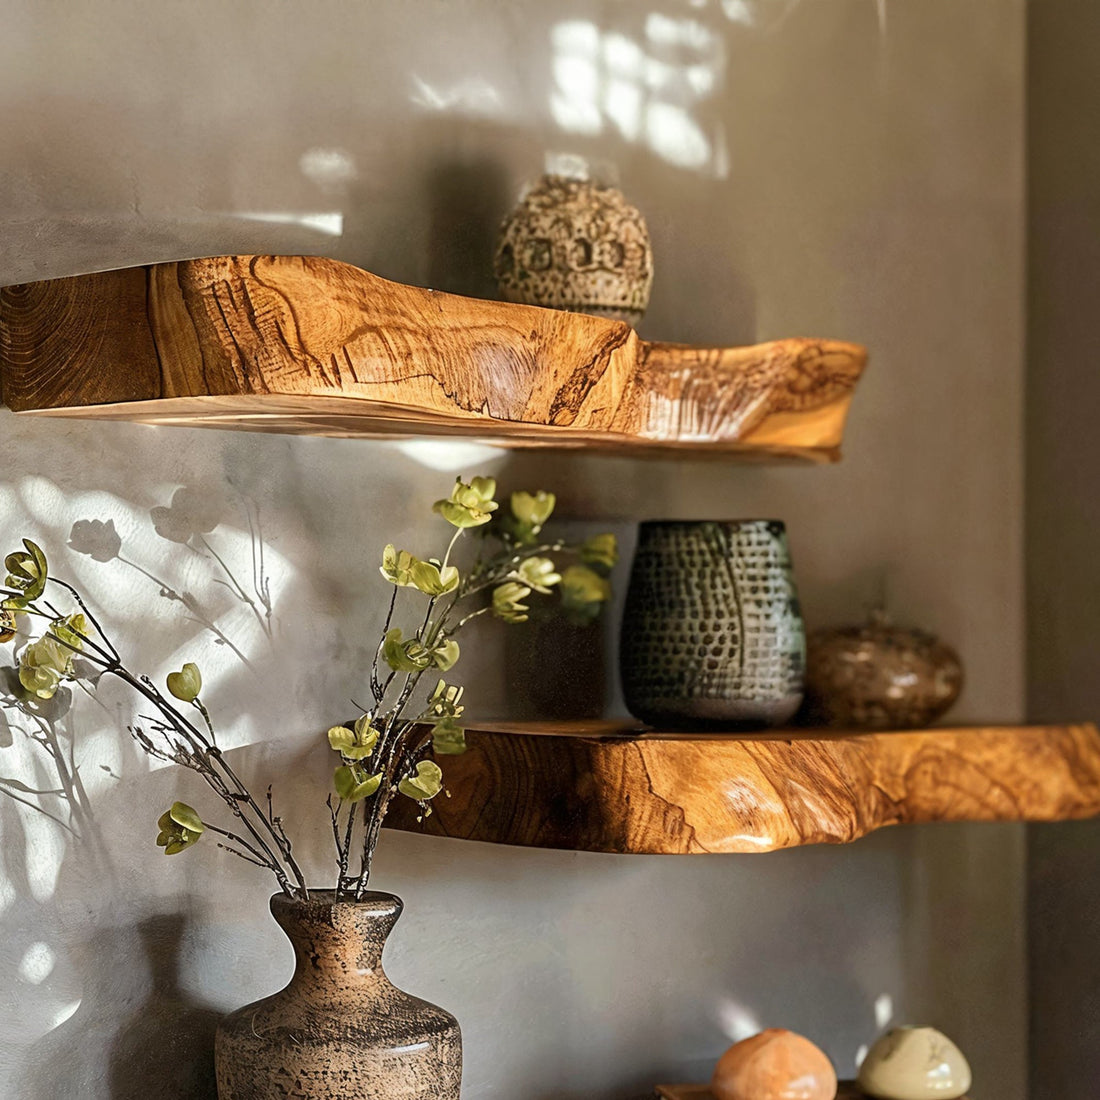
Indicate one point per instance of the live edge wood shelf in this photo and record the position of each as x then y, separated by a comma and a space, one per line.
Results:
307, 345
606, 787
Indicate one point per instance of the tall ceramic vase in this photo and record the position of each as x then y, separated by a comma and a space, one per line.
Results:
712, 634
340, 1030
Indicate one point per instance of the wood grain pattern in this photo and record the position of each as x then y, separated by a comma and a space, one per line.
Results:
603, 787
303, 344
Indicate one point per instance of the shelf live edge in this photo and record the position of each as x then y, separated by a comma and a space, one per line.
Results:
313, 346
608, 787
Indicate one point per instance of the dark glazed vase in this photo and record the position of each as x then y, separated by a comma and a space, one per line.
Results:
340, 1030
712, 634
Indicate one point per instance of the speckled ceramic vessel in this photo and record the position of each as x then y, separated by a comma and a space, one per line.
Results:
340, 1030
712, 632
572, 244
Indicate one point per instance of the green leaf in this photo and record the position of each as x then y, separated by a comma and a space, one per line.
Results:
186, 684
353, 784
425, 784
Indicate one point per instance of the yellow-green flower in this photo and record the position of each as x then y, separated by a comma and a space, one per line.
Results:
410, 655
27, 573
446, 700
583, 593
46, 662
354, 783
425, 784
186, 684
537, 574
397, 566
530, 511
508, 602
357, 743
448, 738
179, 828
601, 552
469, 505
433, 579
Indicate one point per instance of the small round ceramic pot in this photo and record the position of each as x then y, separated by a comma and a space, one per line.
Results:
712, 635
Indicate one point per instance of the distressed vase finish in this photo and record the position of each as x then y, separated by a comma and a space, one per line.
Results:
712, 633
340, 1030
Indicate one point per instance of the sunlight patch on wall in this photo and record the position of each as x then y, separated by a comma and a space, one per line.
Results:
736, 1021
37, 963
651, 92
331, 224
451, 456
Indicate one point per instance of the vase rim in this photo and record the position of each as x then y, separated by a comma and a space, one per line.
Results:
717, 522
378, 900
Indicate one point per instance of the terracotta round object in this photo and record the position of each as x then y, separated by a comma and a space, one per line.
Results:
915, 1063
774, 1065
572, 244
340, 1030
879, 676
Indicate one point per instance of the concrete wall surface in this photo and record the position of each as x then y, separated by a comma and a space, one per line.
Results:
1063, 523
845, 168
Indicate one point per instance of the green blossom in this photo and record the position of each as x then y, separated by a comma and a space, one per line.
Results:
179, 828
601, 552
508, 602
27, 574
357, 743
186, 684
446, 700
537, 574
410, 655
43, 664
583, 593
530, 511
402, 568
433, 579
397, 566
425, 784
469, 505
353, 783
448, 738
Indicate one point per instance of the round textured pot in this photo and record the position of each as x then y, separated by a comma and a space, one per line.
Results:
340, 1030
712, 634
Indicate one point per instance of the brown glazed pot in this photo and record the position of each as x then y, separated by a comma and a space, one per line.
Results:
340, 1030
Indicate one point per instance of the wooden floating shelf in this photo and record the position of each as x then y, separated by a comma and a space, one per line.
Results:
313, 346
609, 787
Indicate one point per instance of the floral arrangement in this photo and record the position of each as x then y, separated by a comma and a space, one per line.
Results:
392, 747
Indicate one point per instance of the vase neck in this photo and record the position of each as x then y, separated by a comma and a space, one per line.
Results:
337, 939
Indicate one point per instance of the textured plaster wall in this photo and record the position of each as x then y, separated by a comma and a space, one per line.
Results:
829, 167
1063, 523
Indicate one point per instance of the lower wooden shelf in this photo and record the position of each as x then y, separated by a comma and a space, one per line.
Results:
612, 787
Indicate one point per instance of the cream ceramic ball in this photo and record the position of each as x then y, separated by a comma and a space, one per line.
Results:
914, 1063
774, 1065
